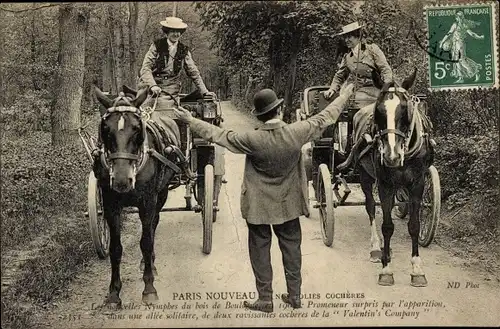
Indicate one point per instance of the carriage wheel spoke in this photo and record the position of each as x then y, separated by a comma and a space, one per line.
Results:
426, 208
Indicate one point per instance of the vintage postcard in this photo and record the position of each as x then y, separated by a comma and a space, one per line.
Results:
250, 164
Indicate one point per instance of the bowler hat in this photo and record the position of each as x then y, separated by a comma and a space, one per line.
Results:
264, 101
350, 28
174, 23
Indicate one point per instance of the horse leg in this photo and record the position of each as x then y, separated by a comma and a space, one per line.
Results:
386, 193
153, 230
115, 254
147, 213
162, 197
367, 187
417, 275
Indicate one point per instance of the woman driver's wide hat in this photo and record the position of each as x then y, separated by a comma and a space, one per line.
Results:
350, 28
174, 23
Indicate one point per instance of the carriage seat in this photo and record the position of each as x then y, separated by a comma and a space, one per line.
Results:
194, 96
325, 141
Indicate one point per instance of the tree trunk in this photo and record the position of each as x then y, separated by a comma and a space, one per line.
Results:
107, 76
132, 36
145, 25
272, 78
174, 8
122, 60
292, 74
34, 82
3, 87
65, 116
496, 108
112, 50
248, 89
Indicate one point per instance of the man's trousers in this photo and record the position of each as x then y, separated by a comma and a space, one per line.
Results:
259, 245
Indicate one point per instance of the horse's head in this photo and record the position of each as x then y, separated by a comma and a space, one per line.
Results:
122, 133
392, 117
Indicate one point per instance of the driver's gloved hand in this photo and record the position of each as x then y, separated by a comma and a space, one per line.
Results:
155, 90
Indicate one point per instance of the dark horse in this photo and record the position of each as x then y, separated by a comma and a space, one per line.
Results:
132, 169
397, 157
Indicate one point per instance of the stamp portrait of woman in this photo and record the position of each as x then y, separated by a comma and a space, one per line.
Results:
455, 42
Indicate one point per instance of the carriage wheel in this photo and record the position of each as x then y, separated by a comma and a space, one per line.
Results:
208, 208
401, 196
98, 225
430, 208
325, 202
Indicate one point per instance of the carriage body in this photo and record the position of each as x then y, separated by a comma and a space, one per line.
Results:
331, 188
199, 151
202, 158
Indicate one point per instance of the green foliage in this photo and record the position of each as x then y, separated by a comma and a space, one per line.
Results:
68, 250
465, 112
268, 39
468, 167
397, 28
39, 182
29, 51
29, 112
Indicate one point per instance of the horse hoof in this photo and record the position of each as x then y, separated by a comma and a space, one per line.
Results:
385, 279
149, 298
418, 280
113, 303
375, 256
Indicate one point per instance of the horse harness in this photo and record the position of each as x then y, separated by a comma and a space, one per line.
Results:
146, 151
413, 103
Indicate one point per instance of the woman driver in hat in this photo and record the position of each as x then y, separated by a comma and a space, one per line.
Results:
161, 72
359, 65
166, 58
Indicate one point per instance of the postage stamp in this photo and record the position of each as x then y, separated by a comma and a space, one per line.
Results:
463, 46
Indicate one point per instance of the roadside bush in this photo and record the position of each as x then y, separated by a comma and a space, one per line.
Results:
469, 167
38, 183
65, 254
29, 112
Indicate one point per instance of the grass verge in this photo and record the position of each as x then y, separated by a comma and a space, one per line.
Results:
36, 276
477, 247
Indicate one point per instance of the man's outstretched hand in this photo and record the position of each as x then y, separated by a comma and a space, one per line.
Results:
183, 114
346, 91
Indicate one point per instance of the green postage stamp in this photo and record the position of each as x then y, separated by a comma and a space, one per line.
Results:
463, 46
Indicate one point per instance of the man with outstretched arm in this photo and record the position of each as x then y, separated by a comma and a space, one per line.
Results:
273, 191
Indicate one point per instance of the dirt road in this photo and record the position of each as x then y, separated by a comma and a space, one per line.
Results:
339, 283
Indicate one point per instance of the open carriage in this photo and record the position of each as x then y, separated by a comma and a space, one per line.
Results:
331, 186
202, 186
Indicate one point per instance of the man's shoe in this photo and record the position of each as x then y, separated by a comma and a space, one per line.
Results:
295, 303
259, 305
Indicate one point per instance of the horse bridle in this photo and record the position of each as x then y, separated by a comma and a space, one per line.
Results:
412, 102
142, 155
